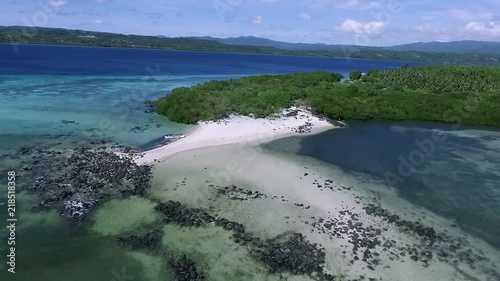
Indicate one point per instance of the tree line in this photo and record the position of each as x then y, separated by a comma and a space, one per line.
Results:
466, 95
59, 36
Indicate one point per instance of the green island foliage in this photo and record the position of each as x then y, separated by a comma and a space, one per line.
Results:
355, 75
465, 95
60, 36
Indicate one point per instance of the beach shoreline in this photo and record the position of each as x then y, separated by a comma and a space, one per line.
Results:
239, 129
363, 230
297, 194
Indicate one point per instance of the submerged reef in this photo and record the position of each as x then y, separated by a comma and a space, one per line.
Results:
73, 181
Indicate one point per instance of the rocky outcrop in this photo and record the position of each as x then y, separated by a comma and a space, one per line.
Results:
187, 270
143, 239
292, 253
75, 180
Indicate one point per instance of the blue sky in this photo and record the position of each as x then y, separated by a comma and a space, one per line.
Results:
360, 22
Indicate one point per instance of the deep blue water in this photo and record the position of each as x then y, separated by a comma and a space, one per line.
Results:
64, 60
70, 94
451, 170
101, 91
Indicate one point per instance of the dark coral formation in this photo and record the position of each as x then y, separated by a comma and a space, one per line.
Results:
292, 253
187, 270
288, 253
233, 192
74, 180
142, 239
175, 212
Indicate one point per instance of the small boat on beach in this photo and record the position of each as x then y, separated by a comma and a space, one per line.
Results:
173, 137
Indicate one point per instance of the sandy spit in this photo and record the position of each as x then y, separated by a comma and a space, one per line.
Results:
239, 129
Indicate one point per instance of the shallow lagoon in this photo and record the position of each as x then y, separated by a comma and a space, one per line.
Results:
71, 97
50, 244
457, 177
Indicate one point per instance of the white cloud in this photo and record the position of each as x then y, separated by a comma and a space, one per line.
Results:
97, 22
257, 20
350, 4
374, 4
319, 3
165, 8
431, 32
460, 14
57, 3
271, 1
489, 29
369, 28
305, 16
357, 4
424, 28
471, 15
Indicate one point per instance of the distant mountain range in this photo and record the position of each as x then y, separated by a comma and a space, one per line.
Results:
452, 47
451, 53
438, 47
263, 42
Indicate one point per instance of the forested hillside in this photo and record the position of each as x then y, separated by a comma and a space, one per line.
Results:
466, 46
466, 95
58, 36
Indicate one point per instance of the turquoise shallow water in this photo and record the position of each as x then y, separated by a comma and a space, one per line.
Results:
48, 247
72, 96
86, 107
67, 94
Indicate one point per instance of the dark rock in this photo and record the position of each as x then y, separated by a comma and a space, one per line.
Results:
175, 212
145, 240
186, 270
75, 180
292, 253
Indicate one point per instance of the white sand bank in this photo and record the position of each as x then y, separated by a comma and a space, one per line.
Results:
192, 178
239, 129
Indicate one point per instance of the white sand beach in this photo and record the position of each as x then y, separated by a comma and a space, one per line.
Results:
301, 195
295, 203
239, 129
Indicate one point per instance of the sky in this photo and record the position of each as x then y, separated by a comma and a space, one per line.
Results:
356, 22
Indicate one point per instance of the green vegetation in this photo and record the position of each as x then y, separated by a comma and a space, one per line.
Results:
441, 79
355, 75
58, 36
466, 95
256, 95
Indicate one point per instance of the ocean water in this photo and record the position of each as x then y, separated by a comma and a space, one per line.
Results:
78, 94
49, 247
73, 95
451, 170
85, 107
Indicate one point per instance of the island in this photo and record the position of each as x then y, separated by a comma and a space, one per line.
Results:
214, 204
465, 95
60, 36
262, 108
